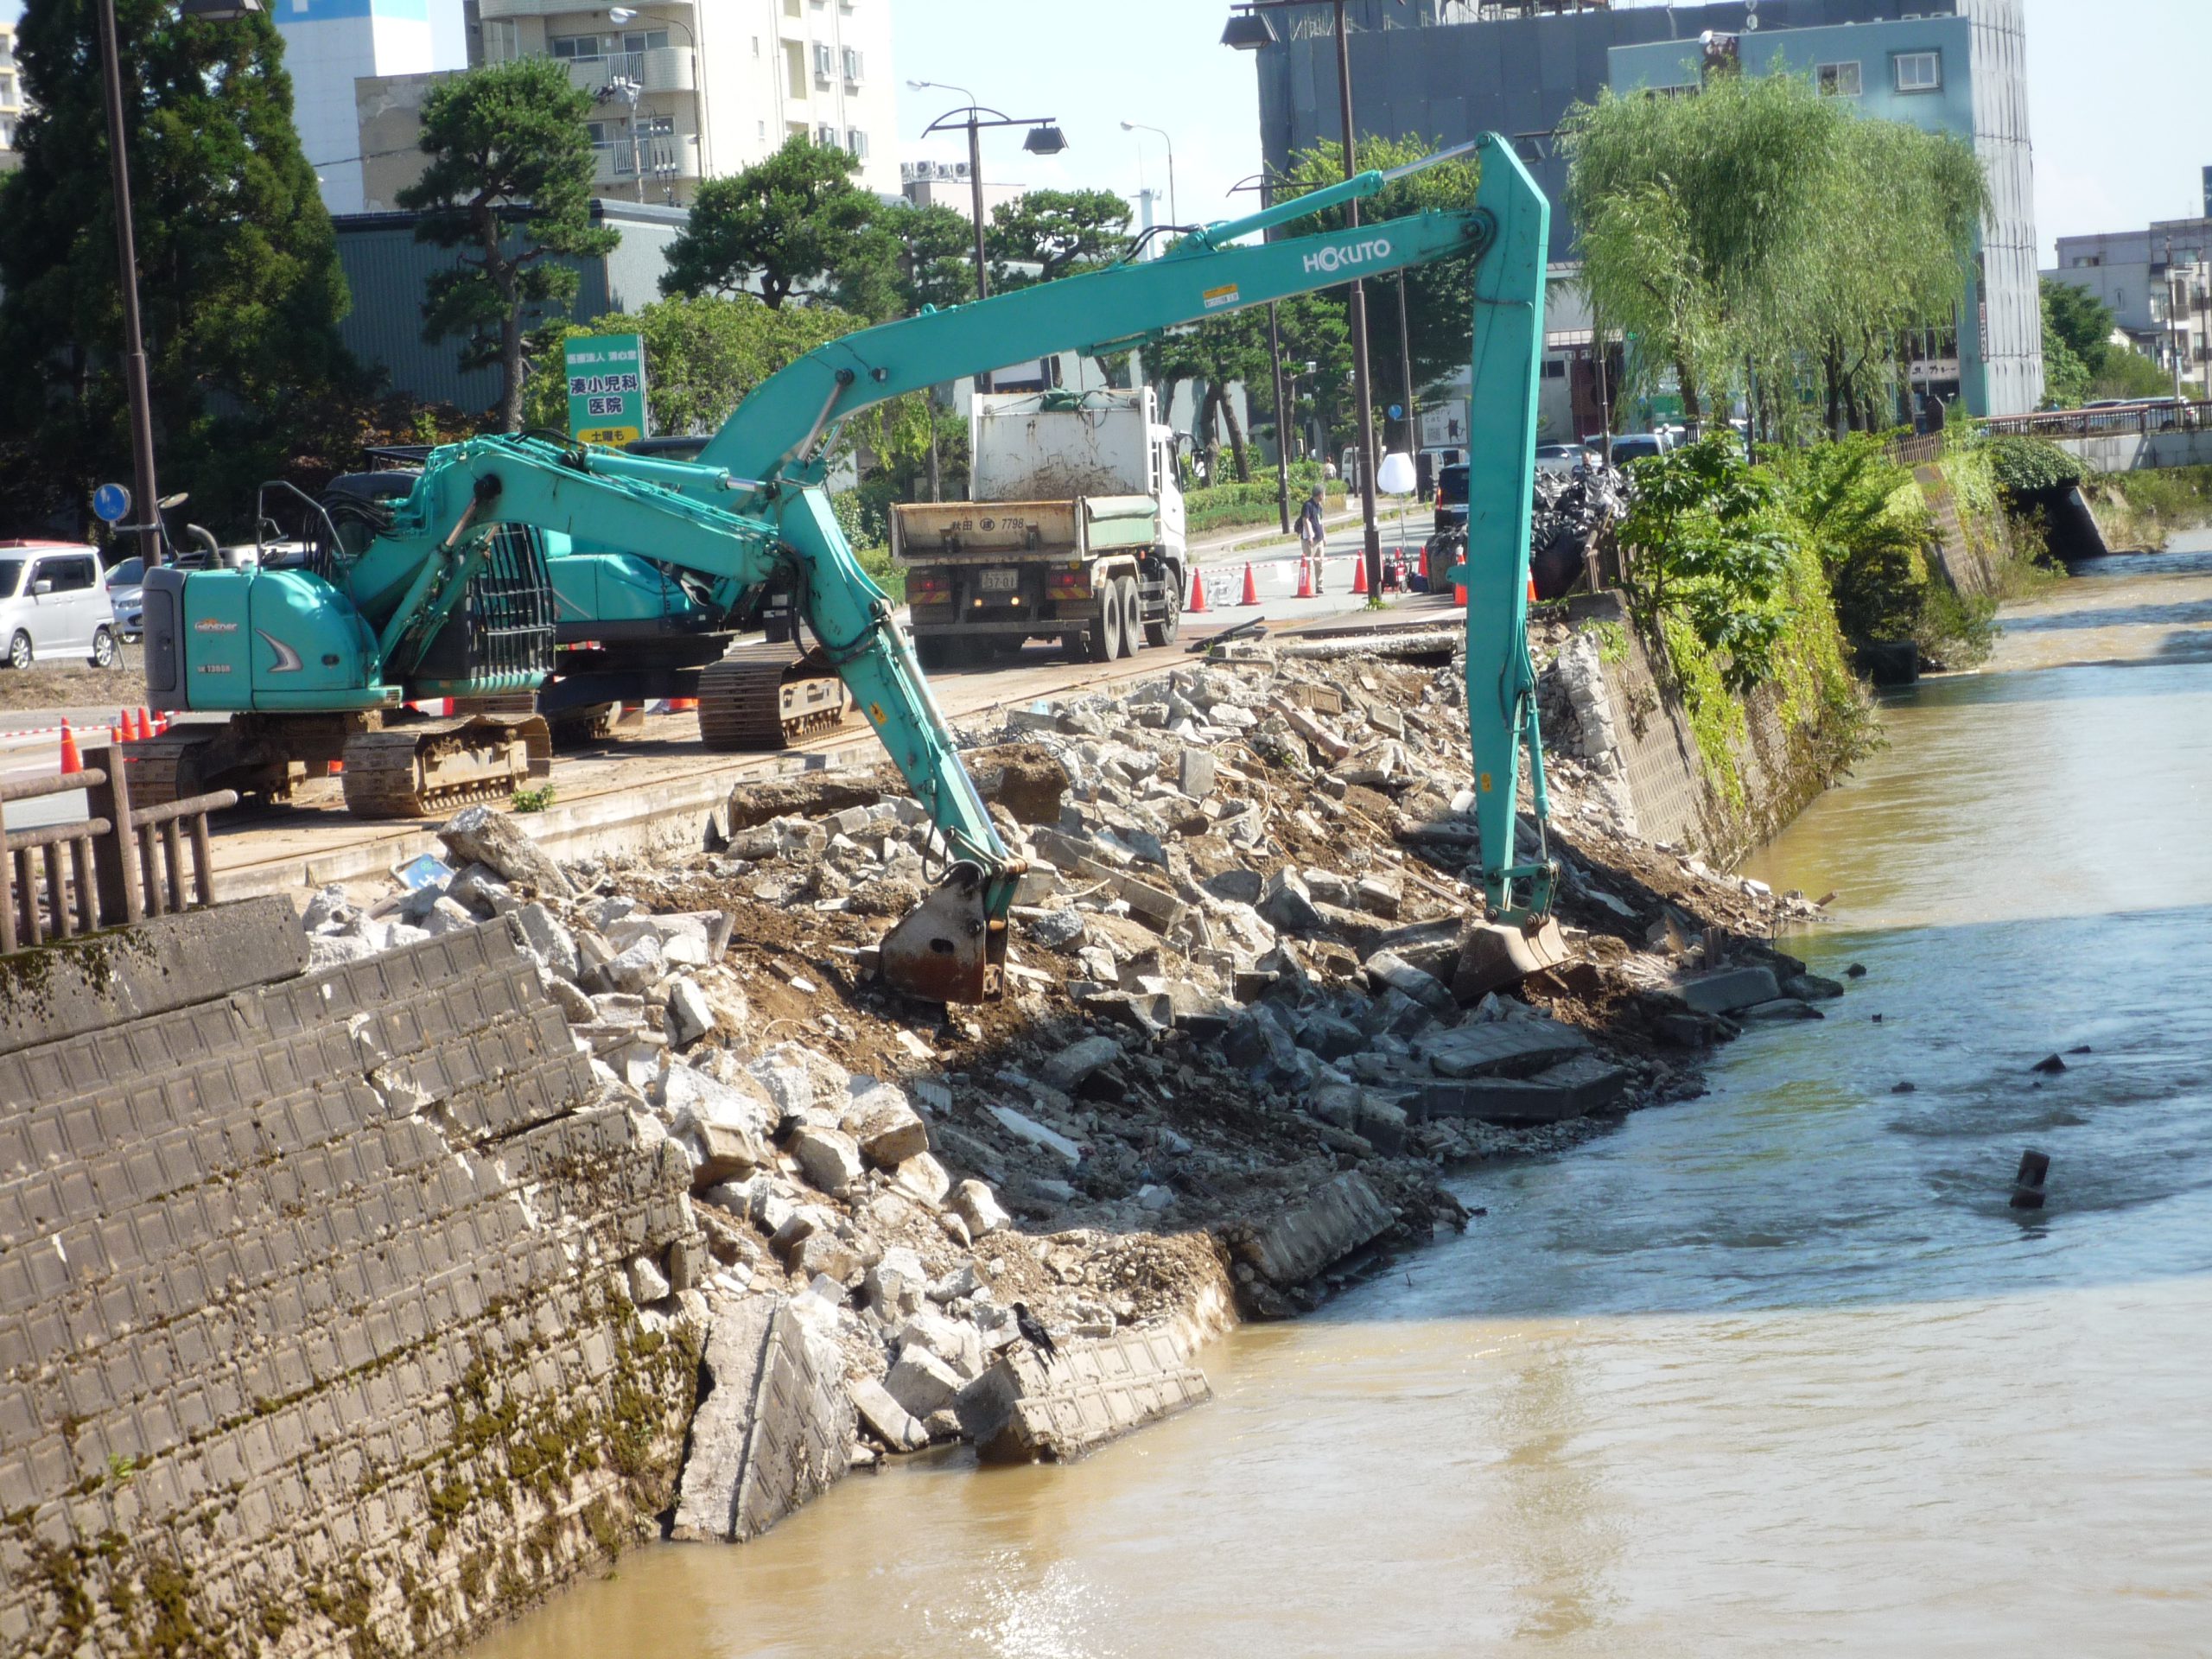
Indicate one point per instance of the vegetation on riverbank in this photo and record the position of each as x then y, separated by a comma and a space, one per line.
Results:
2143, 510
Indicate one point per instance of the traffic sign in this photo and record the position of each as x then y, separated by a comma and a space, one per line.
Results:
1397, 411
111, 504
607, 388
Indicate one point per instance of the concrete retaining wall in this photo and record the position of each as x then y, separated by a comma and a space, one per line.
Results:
310, 1337
2130, 451
1027, 1409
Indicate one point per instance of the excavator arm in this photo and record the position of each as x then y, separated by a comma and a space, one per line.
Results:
778, 435
952, 949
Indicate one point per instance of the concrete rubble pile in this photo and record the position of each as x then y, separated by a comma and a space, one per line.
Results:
1238, 1055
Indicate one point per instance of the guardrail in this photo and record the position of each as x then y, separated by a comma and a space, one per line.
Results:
1917, 452
123, 863
2118, 421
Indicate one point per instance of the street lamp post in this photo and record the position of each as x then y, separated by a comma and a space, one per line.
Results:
1248, 31
135, 379
1174, 218
1044, 138
619, 16
1265, 185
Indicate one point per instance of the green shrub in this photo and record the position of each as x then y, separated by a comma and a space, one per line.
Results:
2025, 466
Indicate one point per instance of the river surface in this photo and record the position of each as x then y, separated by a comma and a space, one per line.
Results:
1778, 1368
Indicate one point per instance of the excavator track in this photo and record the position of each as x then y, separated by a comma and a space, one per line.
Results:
428, 767
767, 697
166, 768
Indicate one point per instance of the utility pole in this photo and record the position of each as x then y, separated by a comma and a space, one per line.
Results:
2175, 333
134, 338
1405, 357
1363, 383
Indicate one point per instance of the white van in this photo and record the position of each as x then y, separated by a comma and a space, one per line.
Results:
52, 603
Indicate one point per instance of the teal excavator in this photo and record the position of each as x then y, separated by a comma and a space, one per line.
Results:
443, 591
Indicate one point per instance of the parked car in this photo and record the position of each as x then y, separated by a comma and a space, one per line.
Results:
1563, 458
53, 604
126, 592
1639, 446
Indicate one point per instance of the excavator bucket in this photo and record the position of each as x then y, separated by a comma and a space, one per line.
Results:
948, 950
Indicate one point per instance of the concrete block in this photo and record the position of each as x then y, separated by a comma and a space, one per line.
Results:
1327, 1226
1500, 1048
1570, 1089
922, 1382
1727, 991
1074, 1066
1388, 969
829, 1159
1027, 1409
492, 838
774, 1431
886, 1418
70, 987
978, 1206
888, 1129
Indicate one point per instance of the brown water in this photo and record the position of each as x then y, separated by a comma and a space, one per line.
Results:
1774, 1367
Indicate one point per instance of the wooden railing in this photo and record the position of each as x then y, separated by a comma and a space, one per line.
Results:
122, 864
1917, 451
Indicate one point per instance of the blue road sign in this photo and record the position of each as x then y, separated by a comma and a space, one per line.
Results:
112, 502
1397, 411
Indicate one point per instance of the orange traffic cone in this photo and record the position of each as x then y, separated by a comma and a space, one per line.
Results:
145, 724
1251, 588
71, 760
1532, 590
1304, 578
1197, 590
1424, 561
162, 724
1359, 574
1459, 595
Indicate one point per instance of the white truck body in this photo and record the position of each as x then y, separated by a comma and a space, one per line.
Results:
1073, 528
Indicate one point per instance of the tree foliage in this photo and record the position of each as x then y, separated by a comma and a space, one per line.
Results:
509, 182
1759, 224
703, 356
1046, 234
238, 273
779, 228
1708, 550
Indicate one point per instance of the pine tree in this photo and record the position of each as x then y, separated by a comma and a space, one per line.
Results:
239, 272
510, 181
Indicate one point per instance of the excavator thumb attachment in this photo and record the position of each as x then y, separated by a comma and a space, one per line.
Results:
949, 949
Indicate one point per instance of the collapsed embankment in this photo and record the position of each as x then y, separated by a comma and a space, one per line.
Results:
554, 1207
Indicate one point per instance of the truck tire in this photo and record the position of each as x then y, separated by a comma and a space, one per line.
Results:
1170, 623
1132, 616
1102, 640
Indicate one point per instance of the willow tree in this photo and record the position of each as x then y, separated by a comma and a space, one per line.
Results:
1897, 241
1760, 226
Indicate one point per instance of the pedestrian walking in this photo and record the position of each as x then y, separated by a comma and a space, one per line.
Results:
1310, 535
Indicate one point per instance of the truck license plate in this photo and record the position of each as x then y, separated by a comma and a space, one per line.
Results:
1001, 581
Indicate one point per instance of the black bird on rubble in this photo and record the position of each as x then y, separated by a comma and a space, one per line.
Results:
1033, 1331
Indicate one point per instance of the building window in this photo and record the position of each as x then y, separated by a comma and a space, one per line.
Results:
756, 45
852, 66
856, 144
1919, 72
1839, 80
826, 136
795, 70
502, 43
794, 7
608, 46
823, 64
1688, 89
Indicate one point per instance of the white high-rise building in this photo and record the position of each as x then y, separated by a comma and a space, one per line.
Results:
687, 90
11, 96
330, 44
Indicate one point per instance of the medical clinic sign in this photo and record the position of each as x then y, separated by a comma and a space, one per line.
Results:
607, 388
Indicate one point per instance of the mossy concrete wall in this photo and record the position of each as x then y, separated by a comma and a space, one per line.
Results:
314, 1336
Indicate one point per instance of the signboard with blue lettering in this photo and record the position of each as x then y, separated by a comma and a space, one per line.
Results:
111, 503
607, 388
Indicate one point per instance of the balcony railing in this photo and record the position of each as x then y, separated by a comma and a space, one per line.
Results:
493, 10
662, 69
660, 155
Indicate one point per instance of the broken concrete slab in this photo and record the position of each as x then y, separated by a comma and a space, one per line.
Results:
1028, 1128
1388, 967
1327, 1226
486, 835
775, 1429
1727, 990
1028, 1409
886, 1418
1573, 1089
1500, 1048
1075, 1064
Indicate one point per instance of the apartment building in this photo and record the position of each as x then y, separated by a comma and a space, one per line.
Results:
2156, 282
11, 97
329, 45
687, 90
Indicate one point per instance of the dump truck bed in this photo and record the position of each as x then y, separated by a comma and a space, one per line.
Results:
955, 533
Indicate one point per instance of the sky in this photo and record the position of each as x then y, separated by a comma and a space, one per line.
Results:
2119, 99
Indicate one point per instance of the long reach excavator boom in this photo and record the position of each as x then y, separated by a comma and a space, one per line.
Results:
435, 593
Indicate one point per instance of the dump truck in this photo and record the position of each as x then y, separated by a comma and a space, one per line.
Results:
1073, 530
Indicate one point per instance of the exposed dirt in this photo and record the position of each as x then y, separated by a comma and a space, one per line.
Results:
72, 683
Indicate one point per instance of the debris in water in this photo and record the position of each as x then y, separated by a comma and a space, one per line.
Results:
2050, 1066
2083, 1049
1905, 1088
1857, 971
2027, 1186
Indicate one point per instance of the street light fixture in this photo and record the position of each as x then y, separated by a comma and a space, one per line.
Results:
1248, 30
1174, 218
1044, 138
1265, 185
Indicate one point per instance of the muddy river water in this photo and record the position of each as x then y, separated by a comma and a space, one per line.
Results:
1778, 1367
